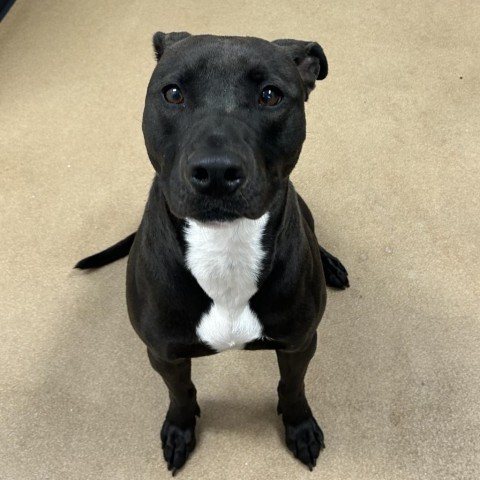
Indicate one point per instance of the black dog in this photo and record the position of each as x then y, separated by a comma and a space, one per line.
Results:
226, 255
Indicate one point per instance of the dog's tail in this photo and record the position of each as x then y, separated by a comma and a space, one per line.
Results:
109, 255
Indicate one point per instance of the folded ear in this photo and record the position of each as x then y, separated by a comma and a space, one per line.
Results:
310, 60
163, 40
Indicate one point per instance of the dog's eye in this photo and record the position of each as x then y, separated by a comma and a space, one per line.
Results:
173, 94
270, 96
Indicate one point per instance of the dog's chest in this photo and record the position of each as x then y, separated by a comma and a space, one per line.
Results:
226, 261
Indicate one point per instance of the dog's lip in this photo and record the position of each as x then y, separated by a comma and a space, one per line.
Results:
214, 213
219, 217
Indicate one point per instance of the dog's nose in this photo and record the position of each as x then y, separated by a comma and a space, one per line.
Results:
216, 176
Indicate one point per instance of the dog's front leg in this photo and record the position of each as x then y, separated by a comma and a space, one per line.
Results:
303, 435
178, 430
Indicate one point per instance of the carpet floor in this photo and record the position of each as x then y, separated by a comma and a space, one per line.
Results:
391, 171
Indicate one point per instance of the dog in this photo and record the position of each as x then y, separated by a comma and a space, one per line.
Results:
226, 255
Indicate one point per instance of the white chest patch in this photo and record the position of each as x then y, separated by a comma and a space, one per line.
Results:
225, 259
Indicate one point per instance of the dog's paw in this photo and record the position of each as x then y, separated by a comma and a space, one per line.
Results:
336, 274
177, 444
305, 440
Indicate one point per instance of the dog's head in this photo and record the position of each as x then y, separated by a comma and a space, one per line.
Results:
224, 120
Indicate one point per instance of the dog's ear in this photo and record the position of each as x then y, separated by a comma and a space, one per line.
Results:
310, 60
163, 40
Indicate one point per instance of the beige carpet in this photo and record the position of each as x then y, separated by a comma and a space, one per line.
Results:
391, 170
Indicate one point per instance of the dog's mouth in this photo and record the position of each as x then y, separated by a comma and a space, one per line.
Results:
206, 209
216, 216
